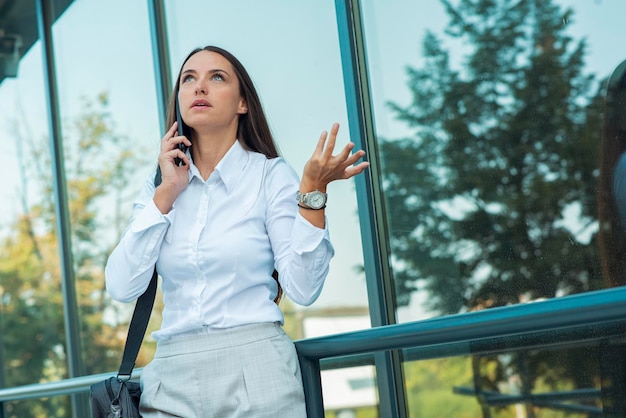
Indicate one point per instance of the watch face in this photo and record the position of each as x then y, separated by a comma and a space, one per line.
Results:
316, 200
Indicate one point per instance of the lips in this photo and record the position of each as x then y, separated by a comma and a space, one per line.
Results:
200, 103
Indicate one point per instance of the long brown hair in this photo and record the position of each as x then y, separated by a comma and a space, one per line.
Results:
253, 131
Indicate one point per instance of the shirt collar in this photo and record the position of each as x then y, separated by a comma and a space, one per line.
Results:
230, 167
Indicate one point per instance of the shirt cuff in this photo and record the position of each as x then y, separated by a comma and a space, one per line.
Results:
151, 216
306, 237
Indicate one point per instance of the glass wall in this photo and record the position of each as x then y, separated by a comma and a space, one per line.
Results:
579, 380
108, 125
489, 128
496, 166
108, 105
496, 159
292, 55
32, 336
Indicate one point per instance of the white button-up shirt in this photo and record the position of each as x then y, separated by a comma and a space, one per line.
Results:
217, 248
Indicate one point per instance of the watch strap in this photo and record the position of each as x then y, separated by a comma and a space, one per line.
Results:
300, 205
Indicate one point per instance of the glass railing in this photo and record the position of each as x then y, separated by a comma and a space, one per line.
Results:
594, 318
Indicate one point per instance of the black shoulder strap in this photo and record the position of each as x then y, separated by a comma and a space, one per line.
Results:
141, 317
137, 328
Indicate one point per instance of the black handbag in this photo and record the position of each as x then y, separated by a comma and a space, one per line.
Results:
117, 396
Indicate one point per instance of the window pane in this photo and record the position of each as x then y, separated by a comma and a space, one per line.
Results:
578, 380
490, 135
291, 51
431, 388
350, 392
110, 132
57, 406
31, 319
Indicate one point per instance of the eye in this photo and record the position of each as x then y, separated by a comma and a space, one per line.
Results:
217, 77
187, 78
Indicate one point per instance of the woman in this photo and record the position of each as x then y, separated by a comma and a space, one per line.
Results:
217, 227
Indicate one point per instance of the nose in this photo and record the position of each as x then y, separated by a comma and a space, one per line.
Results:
201, 88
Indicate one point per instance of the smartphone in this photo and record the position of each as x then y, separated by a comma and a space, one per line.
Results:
182, 130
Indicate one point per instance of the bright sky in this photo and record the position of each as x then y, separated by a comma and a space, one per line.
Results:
291, 50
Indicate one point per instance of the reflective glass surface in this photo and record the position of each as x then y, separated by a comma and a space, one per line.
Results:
489, 118
500, 127
350, 392
574, 381
52, 407
31, 319
110, 134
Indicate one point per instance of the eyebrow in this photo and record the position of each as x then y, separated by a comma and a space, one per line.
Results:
212, 71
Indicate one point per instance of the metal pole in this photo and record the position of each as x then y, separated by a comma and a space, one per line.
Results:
312, 382
372, 214
80, 407
2, 383
161, 57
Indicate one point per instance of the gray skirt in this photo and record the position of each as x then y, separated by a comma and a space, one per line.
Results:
249, 371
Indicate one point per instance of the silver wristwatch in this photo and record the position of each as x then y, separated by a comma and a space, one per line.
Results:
314, 199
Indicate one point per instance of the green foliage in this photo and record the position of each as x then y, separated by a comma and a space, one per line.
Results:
429, 388
503, 147
31, 317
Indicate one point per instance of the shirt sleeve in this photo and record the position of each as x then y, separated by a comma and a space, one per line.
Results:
302, 252
130, 266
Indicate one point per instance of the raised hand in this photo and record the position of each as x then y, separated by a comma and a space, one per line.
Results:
323, 167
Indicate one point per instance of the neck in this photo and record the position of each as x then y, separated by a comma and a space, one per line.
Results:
209, 148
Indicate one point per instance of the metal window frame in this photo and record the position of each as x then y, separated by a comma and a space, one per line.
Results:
371, 205
161, 57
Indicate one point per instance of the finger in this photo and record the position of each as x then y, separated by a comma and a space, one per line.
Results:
332, 139
166, 138
319, 149
356, 169
353, 158
180, 139
169, 145
348, 166
183, 156
170, 156
170, 132
345, 152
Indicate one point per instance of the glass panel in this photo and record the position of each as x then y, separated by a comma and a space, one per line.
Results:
57, 406
350, 392
489, 118
432, 385
110, 132
31, 319
574, 381
291, 51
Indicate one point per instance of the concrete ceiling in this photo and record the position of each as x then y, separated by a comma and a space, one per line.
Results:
19, 17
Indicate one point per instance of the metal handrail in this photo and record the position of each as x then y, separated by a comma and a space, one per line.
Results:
587, 316
58, 388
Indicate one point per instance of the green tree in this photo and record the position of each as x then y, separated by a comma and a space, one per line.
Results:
505, 144
31, 316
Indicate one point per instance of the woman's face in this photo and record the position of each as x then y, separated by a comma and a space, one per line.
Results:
209, 95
